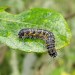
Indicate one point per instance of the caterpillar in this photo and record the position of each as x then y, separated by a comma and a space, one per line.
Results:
47, 36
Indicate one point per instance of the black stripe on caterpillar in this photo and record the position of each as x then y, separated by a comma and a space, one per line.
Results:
42, 34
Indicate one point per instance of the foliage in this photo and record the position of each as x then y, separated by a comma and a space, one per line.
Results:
21, 64
10, 25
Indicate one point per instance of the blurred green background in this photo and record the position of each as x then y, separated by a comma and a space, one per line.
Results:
21, 63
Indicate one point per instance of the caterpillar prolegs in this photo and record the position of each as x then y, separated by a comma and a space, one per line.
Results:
42, 34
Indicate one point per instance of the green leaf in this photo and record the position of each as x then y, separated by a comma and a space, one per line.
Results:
42, 18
